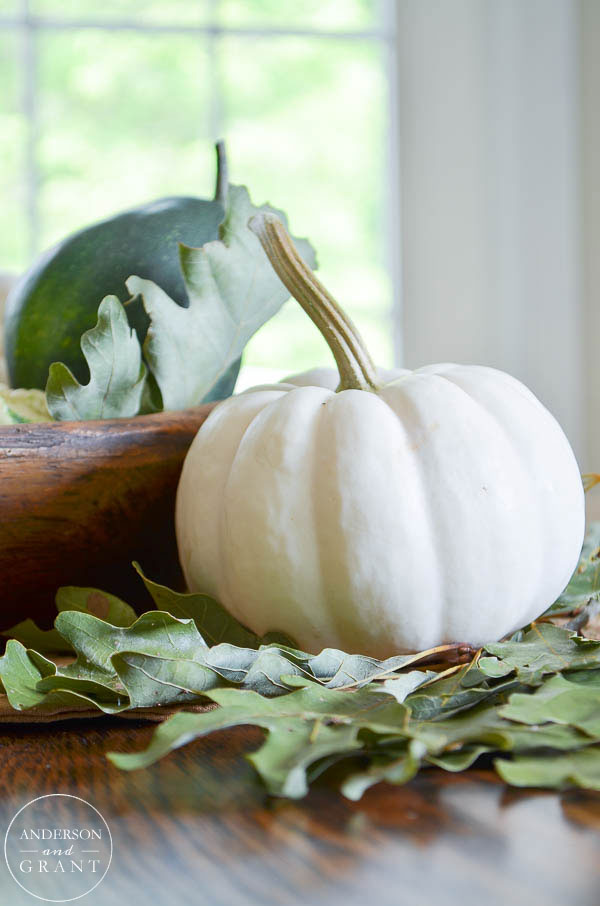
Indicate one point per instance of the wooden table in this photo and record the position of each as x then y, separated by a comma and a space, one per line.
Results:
198, 829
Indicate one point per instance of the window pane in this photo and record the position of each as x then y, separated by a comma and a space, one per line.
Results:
122, 119
13, 232
306, 130
175, 12
334, 15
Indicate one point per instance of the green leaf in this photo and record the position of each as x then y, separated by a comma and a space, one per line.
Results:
343, 671
397, 770
82, 679
555, 771
266, 670
303, 727
23, 673
93, 675
214, 623
98, 603
232, 290
287, 755
493, 668
482, 725
458, 760
560, 701
19, 677
584, 585
402, 685
117, 373
44, 640
545, 648
167, 677
154, 633
86, 600
21, 406
460, 690
96, 641
152, 681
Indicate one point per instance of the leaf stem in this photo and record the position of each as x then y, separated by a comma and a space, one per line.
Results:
222, 184
357, 371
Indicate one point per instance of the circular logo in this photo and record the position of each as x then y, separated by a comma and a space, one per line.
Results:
58, 848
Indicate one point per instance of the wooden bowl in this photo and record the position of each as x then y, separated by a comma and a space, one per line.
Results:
80, 500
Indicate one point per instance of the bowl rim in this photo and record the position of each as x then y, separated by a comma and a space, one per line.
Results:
95, 425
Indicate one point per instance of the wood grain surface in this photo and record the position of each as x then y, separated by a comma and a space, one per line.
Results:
198, 829
80, 500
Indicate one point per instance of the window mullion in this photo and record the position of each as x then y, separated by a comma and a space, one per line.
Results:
29, 105
213, 41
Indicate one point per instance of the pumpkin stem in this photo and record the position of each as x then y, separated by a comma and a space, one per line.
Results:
357, 371
222, 184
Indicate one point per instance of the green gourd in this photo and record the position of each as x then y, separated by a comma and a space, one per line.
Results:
57, 299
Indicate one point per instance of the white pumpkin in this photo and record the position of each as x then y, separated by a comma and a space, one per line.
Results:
432, 506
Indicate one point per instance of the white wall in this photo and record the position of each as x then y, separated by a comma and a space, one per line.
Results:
590, 196
491, 195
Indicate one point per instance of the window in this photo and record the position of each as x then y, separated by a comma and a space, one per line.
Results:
110, 103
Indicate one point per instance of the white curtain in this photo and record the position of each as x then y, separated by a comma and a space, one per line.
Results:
499, 148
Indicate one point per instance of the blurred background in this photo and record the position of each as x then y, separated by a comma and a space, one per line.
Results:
442, 155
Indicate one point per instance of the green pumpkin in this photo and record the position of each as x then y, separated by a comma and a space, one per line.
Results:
57, 299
